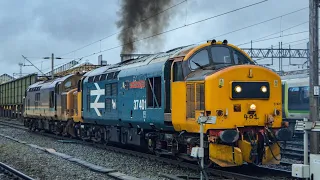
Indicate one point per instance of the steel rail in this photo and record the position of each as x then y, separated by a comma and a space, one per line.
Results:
216, 172
14, 172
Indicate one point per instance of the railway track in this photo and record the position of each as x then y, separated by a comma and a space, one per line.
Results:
244, 172
7, 172
293, 150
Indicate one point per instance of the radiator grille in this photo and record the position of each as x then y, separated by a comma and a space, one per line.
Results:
190, 101
195, 98
200, 97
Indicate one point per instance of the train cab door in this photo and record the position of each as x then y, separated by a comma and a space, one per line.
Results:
178, 94
56, 101
167, 92
283, 86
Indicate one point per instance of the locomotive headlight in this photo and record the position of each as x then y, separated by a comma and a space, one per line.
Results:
252, 107
264, 89
238, 89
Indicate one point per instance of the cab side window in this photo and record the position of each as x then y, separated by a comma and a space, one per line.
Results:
177, 71
199, 60
240, 58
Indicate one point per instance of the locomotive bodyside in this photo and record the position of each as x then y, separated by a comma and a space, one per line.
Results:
77, 106
296, 98
139, 96
50, 101
242, 102
154, 102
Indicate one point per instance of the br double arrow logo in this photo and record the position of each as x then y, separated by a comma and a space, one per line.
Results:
96, 105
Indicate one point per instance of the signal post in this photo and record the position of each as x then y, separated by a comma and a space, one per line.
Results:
311, 126
314, 72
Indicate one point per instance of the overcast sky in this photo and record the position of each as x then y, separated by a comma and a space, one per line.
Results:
38, 28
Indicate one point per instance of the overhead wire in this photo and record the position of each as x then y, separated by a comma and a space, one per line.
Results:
266, 39
115, 33
293, 42
55, 66
256, 24
50, 58
286, 44
305, 41
281, 31
180, 27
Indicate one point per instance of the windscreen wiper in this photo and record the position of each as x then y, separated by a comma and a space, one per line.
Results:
198, 64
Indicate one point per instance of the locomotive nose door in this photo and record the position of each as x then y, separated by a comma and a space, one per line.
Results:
178, 94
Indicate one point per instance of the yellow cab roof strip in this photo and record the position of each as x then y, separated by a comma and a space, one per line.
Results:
190, 53
187, 56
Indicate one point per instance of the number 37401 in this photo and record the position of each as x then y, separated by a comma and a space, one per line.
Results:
250, 116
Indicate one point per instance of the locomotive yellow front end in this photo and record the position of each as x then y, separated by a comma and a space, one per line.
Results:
241, 102
245, 101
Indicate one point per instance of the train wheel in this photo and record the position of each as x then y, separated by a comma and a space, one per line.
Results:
97, 136
157, 153
33, 125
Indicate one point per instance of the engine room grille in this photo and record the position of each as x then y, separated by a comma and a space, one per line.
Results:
200, 97
114, 89
190, 101
108, 90
108, 104
195, 98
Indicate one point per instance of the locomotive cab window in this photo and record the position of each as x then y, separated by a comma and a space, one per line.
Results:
79, 86
177, 71
221, 55
199, 60
239, 58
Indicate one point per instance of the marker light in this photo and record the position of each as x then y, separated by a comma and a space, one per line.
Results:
264, 89
252, 107
238, 89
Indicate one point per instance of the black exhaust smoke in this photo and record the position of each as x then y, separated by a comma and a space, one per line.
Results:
148, 12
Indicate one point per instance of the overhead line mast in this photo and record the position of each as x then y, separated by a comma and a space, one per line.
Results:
314, 72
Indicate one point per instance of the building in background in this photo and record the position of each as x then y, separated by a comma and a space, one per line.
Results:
5, 78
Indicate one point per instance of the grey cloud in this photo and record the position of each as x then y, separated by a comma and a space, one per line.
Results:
77, 21
14, 19
38, 28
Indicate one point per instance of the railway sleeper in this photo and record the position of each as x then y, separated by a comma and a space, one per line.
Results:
177, 146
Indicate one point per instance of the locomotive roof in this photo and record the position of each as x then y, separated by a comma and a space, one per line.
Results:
49, 84
294, 76
145, 60
297, 82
